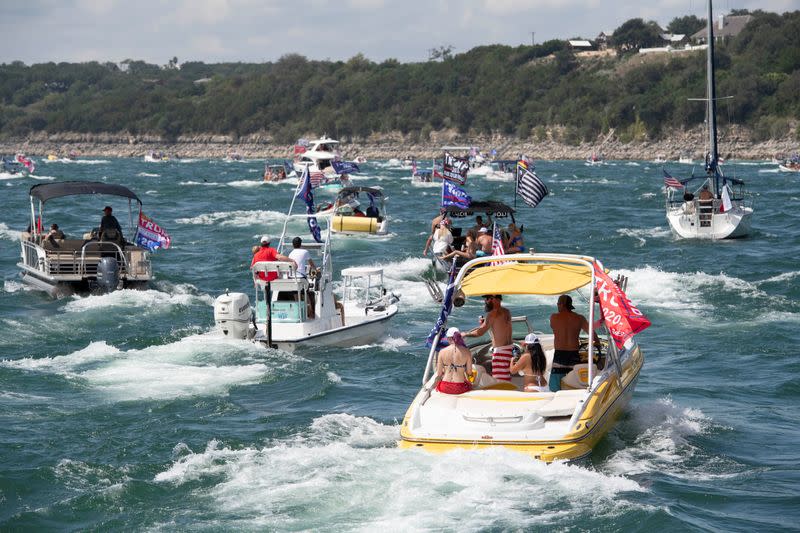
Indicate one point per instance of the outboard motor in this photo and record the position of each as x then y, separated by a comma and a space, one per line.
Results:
108, 274
233, 315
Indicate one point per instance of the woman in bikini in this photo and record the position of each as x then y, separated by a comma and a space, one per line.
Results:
532, 364
453, 365
515, 242
470, 247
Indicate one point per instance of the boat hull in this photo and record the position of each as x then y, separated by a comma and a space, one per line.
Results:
731, 225
603, 407
360, 333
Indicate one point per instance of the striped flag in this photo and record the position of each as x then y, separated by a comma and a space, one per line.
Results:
669, 181
497, 245
529, 186
316, 177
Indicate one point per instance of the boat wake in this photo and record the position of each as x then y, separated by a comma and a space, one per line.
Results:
234, 218
642, 234
7, 233
197, 365
349, 467
151, 299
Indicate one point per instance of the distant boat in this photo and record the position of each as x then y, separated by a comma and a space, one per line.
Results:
719, 208
502, 170
791, 164
595, 159
686, 160
317, 154
156, 157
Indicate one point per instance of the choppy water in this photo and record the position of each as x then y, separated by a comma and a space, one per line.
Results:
116, 412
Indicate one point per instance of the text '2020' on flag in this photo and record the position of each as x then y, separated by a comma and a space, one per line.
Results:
529, 186
621, 317
453, 195
455, 168
150, 235
304, 192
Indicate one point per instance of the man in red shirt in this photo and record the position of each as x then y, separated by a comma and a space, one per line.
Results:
268, 253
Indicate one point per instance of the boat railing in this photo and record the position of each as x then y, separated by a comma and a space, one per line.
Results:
90, 268
31, 256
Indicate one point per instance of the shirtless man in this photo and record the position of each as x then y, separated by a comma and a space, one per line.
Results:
484, 243
498, 324
566, 325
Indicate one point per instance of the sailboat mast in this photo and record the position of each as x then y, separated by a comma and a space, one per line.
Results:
713, 155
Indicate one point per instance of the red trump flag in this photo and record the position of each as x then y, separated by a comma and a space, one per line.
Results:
622, 318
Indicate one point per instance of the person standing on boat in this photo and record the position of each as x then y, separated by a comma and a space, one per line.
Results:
454, 365
484, 243
109, 221
268, 253
302, 258
442, 239
498, 324
566, 325
532, 365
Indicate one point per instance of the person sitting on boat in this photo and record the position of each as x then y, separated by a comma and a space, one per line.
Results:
566, 325
705, 196
484, 243
532, 365
469, 249
454, 365
442, 239
515, 243
479, 223
108, 225
53, 234
498, 324
268, 253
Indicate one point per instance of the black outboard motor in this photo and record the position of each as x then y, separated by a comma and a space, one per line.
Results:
108, 274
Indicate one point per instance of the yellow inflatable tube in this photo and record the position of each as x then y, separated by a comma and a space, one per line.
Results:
356, 224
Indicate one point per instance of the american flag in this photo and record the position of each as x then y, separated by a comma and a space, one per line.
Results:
317, 177
669, 181
497, 245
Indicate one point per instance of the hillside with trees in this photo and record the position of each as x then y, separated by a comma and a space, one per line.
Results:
520, 91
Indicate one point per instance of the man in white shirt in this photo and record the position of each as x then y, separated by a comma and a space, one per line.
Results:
303, 260
301, 257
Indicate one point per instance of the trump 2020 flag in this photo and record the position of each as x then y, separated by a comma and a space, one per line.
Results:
344, 167
622, 318
530, 187
455, 168
304, 192
453, 195
150, 235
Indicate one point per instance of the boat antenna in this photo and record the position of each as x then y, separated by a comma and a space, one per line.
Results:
713, 156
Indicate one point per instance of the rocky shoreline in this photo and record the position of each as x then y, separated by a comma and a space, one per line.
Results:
735, 144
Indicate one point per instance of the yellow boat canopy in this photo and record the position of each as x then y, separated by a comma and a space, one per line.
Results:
547, 278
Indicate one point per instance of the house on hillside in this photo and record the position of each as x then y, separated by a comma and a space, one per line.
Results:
602, 40
674, 39
726, 26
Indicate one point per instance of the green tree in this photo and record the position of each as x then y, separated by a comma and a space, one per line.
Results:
635, 34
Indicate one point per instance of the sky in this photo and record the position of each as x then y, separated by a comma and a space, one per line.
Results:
212, 31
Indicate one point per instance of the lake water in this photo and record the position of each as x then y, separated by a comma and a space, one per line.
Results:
118, 413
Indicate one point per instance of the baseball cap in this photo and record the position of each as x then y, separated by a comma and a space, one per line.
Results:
531, 338
451, 331
265, 238
483, 230
107, 208
566, 299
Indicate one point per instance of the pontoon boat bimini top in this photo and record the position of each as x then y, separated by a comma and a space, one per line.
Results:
47, 191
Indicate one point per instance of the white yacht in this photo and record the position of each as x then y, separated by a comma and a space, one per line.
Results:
99, 260
318, 155
719, 208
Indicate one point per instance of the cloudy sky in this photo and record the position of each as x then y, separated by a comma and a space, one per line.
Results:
36, 31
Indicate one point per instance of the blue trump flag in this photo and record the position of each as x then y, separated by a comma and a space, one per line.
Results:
344, 167
453, 195
305, 193
447, 308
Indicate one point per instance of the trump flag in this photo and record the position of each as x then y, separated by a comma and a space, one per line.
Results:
150, 235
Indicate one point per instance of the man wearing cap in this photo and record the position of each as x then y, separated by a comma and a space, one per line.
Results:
566, 325
109, 221
484, 242
498, 324
268, 253
454, 365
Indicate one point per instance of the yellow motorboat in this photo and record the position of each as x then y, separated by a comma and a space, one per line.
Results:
549, 426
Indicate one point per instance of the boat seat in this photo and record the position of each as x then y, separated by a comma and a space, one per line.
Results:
563, 403
578, 377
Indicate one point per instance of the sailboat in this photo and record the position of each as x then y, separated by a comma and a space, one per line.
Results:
719, 207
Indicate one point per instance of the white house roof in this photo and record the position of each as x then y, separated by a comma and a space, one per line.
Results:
580, 43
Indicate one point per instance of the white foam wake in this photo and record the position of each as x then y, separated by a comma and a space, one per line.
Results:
146, 299
198, 365
234, 218
349, 467
7, 233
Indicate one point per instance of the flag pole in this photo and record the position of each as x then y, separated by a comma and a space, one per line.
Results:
516, 183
